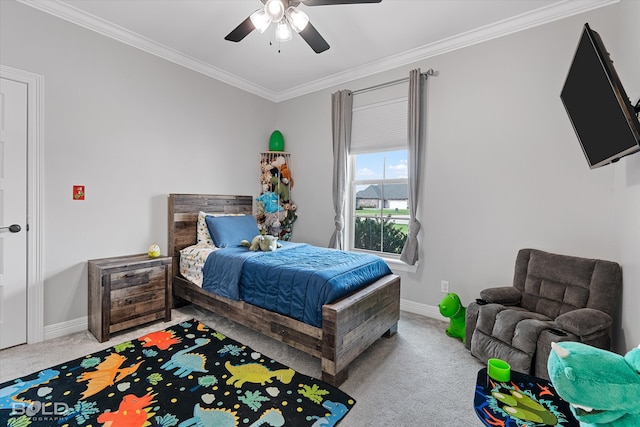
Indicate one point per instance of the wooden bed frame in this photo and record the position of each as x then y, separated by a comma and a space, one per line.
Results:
349, 326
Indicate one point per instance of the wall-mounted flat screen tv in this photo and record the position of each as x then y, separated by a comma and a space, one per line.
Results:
602, 115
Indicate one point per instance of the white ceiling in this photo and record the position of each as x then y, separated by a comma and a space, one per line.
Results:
364, 38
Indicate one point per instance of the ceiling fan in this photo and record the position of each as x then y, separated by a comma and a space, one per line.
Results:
286, 15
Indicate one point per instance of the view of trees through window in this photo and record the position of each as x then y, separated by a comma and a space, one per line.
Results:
380, 201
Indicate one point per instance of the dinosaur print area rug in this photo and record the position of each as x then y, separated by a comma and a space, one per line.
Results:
187, 375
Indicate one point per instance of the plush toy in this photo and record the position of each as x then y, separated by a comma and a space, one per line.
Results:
263, 242
280, 189
269, 200
602, 387
451, 307
265, 176
280, 164
285, 175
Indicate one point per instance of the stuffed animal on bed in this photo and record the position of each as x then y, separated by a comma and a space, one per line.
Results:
602, 387
263, 242
451, 307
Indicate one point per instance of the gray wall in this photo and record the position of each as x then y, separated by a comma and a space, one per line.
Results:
504, 169
132, 128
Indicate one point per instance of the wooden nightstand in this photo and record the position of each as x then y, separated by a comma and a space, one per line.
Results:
128, 291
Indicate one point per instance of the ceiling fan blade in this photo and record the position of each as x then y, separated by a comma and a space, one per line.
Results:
241, 31
331, 2
314, 39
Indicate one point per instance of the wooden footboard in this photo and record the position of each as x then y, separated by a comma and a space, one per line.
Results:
349, 325
352, 324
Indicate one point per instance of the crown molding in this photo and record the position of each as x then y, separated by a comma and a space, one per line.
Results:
522, 22
70, 13
499, 29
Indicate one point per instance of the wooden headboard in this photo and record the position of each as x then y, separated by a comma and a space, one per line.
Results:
183, 217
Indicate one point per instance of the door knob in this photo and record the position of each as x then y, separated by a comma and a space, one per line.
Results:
14, 228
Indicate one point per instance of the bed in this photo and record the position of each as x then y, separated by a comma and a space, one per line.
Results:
348, 327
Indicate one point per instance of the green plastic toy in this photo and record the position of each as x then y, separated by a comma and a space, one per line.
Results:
451, 307
276, 141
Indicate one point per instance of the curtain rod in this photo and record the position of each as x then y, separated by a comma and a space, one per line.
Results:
429, 72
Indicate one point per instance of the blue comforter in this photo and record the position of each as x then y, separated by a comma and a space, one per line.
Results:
296, 280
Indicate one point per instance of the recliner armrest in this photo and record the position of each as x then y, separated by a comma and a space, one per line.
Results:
505, 295
584, 322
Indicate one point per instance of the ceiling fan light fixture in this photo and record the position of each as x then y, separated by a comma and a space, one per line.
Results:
297, 18
283, 31
286, 18
260, 20
274, 10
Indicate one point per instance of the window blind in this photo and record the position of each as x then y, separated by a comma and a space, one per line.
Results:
381, 126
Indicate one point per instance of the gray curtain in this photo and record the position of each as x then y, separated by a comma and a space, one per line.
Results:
414, 138
341, 112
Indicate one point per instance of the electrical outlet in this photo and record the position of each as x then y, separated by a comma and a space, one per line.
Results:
444, 286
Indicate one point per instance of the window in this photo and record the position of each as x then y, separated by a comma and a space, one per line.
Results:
380, 194
379, 190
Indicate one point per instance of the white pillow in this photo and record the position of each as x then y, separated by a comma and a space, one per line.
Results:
202, 232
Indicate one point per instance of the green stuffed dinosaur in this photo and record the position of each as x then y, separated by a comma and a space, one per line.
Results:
602, 387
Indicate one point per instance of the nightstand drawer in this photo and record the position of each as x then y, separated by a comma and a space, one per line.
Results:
136, 295
137, 277
128, 291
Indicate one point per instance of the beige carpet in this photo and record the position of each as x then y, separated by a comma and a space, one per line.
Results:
419, 377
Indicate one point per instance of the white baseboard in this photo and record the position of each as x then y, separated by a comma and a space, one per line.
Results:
58, 330
423, 309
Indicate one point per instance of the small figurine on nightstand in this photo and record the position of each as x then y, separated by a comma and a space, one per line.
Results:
154, 251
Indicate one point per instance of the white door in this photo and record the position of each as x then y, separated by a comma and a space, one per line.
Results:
13, 213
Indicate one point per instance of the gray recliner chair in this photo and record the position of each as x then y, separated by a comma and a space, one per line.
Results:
553, 298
